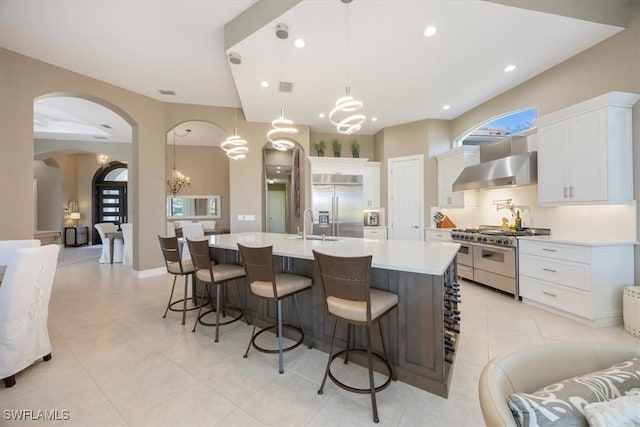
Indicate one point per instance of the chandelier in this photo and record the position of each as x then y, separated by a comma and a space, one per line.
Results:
103, 160
343, 116
234, 146
178, 180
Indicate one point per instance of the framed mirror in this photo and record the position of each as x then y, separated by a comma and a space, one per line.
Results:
193, 207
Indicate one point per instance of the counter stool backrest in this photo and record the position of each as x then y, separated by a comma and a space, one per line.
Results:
200, 254
171, 253
258, 264
346, 278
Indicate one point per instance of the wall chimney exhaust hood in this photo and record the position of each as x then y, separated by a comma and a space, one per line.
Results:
503, 163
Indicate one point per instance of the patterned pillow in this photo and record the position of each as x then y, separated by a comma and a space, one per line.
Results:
562, 404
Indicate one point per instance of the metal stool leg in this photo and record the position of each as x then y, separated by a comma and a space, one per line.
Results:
217, 310
326, 371
171, 296
280, 353
371, 384
346, 355
206, 287
240, 299
384, 350
298, 312
255, 316
186, 290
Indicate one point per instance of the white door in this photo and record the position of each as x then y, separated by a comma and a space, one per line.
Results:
406, 197
277, 212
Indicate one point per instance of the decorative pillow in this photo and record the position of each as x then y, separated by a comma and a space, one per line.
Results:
621, 412
562, 404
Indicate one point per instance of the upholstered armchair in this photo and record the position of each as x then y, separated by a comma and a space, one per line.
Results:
109, 227
127, 236
8, 249
24, 309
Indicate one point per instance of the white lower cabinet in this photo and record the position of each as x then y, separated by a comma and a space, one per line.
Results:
375, 233
576, 280
437, 234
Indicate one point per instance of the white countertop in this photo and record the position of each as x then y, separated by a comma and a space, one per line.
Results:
581, 241
400, 255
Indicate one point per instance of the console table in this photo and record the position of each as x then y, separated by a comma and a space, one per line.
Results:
76, 236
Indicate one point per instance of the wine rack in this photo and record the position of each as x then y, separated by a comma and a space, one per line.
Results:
451, 316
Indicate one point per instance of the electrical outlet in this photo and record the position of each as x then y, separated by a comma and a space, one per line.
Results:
240, 217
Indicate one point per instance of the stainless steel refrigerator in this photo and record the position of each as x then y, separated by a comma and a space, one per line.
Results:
337, 203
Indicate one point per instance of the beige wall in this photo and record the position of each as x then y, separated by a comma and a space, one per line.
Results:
365, 141
49, 195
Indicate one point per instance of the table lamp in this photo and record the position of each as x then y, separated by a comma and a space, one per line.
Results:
74, 216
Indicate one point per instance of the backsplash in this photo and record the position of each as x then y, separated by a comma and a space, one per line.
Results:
616, 222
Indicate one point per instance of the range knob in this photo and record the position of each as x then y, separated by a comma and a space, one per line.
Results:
507, 243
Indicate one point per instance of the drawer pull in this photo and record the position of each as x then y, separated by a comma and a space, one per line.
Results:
549, 293
549, 270
460, 267
548, 250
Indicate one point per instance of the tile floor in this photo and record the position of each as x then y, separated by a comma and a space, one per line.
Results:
116, 362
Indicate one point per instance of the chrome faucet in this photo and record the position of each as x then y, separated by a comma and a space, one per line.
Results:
505, 204
304, 222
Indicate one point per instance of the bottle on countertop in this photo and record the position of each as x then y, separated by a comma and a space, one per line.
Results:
518, 221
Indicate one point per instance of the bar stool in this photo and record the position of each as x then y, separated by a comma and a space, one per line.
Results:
211, 273
177, 267
349, 298
266, 284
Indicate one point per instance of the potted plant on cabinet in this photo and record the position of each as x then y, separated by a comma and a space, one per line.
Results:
355, 148
319, 146
337, 147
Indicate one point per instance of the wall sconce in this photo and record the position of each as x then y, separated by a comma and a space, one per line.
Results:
74, 216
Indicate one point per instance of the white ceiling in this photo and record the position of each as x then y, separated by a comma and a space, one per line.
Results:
399, 74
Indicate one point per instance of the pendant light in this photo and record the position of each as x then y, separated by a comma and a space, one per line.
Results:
178, 180
343, 116
234, 146
282, 128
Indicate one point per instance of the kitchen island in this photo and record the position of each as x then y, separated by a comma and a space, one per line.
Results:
418, 272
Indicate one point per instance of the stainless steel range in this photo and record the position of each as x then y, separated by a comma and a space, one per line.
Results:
489, 255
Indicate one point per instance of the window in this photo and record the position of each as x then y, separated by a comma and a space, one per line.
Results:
504, 125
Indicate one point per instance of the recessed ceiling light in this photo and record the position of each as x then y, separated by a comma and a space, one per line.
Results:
374, 119
299, 43
322, 115
264, 83
509, 68
446, 107
430, 30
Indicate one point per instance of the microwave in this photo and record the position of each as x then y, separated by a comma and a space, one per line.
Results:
371, 219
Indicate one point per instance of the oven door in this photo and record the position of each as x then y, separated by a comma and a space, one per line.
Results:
495, 259
465, 261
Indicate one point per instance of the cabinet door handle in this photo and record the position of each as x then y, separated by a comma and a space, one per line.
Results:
548, 250
549, 294
460, 267
571, 191
564, 190
549, 270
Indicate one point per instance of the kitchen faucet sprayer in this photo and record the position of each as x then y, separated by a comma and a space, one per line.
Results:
304, 222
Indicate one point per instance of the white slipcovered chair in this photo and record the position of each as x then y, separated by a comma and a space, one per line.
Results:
109, 227
193, 231
24, 309
8, 249
208, 225
127, 251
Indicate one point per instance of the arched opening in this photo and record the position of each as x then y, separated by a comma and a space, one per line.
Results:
283, 182
194, 148
109, 200
69, 131
504, 125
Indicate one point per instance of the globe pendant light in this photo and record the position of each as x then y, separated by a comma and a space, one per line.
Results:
343, 116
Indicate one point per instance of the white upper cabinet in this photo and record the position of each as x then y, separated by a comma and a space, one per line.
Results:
371, 184
450, 164
585, 152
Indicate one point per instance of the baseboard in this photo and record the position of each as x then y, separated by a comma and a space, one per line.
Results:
143, 274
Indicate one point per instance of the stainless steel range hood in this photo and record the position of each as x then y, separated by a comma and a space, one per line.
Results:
503, 163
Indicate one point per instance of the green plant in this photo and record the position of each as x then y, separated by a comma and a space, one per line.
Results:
355, 148
337, 147
319, 146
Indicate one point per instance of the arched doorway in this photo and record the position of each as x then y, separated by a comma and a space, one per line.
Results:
109, 200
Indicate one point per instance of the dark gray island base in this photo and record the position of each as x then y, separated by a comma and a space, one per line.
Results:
414, 331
